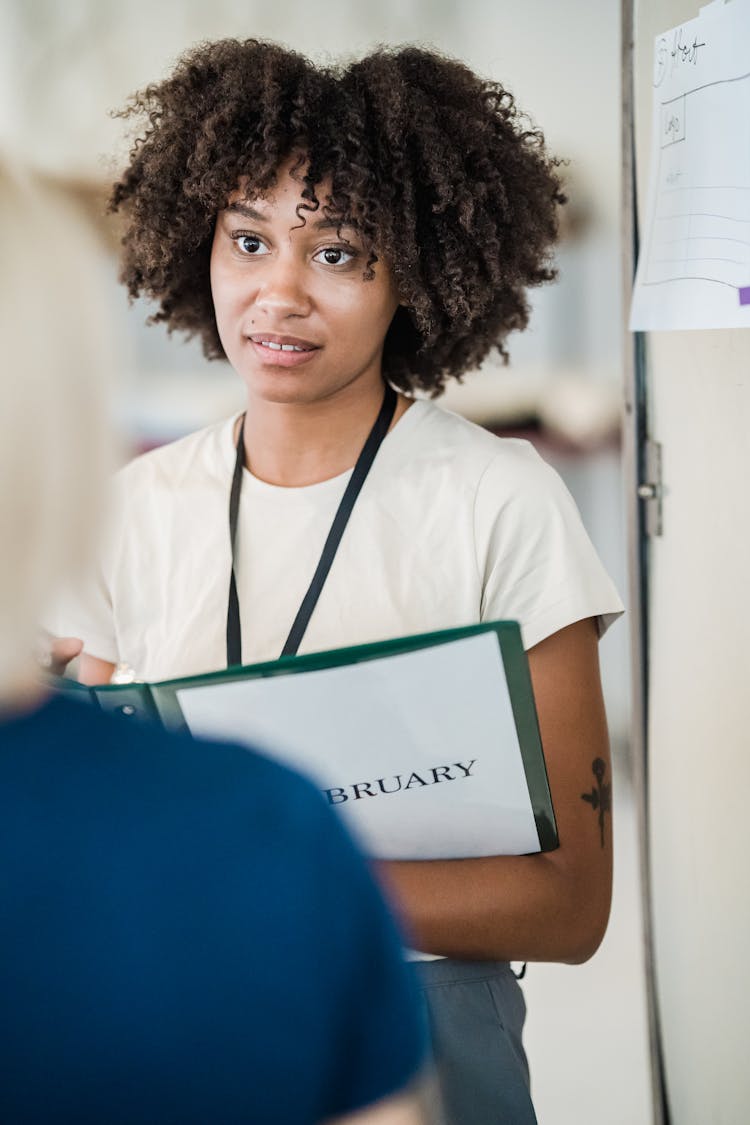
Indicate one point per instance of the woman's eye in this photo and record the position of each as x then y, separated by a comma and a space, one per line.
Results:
250, 245
335, 255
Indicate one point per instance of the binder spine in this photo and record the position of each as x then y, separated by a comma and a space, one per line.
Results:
131, 701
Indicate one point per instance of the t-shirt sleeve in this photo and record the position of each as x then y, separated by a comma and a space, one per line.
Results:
381, 1024
537, 563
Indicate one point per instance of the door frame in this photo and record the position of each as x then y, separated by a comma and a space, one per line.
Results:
634, 439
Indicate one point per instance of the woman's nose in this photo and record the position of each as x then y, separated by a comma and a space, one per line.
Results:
283, 291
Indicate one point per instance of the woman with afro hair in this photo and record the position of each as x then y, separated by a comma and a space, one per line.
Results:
349, 238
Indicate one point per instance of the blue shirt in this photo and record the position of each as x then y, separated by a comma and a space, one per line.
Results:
187, 935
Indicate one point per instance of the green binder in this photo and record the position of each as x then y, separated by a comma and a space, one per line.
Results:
160, 702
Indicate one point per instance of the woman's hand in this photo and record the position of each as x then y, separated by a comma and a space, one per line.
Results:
56, 654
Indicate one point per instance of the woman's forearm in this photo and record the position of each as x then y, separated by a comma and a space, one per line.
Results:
509, 908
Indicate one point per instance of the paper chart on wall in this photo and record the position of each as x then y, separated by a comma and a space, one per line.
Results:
694, 260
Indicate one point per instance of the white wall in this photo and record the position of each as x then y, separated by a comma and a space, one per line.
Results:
698, 741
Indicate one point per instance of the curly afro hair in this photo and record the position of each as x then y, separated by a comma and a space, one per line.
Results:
435, 167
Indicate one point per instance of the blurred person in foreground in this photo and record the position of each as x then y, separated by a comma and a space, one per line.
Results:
186, 932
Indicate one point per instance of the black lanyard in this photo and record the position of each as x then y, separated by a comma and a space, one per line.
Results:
340, 520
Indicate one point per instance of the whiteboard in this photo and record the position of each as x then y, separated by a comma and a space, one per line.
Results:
694, 262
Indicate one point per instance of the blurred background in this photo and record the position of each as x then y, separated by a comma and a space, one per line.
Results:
63, 68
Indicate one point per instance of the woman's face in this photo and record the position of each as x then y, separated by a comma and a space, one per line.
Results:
296, 318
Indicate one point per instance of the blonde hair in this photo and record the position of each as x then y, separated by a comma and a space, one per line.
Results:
53, 388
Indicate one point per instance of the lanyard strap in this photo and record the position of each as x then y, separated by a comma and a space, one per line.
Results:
340, 520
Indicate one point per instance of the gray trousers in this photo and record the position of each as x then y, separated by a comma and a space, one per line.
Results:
475, 1011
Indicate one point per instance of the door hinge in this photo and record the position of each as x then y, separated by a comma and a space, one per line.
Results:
651, 490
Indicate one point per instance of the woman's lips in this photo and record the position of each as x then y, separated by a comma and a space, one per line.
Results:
280, 356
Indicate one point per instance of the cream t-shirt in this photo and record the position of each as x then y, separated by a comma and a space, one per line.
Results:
453, 526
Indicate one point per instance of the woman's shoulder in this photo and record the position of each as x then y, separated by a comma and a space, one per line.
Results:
473, 450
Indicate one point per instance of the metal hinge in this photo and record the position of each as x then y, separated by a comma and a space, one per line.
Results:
651, 491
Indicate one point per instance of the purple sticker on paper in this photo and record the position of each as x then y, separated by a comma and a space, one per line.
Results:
745, 295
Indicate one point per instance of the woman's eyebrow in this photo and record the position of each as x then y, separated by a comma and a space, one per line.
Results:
333, 224
246, 210
249, 212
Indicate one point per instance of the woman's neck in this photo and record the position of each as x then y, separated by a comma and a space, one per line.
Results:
298, 444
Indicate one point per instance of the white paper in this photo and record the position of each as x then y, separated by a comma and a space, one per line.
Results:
444, 708
694, 263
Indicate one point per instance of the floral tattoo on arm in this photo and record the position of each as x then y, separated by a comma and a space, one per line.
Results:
600, 797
